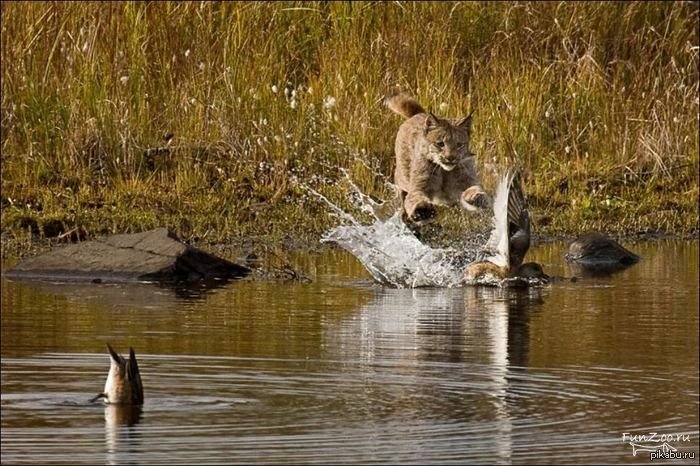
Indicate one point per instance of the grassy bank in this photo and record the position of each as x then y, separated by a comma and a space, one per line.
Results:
598, 102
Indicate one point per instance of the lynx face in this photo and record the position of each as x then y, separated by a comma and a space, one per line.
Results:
447, 144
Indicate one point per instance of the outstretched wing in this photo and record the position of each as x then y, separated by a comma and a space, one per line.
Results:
496, 248
518, 222
510, 237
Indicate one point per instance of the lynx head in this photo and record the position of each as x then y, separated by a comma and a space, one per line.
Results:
447, 140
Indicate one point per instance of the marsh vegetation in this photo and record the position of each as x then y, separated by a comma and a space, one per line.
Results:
213, 118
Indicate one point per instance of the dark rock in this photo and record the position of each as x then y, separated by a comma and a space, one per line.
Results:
28, 223
154, 256
595, 254
53, 228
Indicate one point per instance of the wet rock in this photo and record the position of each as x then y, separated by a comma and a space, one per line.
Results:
154, 256
595, 253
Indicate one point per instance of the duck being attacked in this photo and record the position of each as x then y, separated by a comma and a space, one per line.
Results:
500, 262
123, 384
394, 256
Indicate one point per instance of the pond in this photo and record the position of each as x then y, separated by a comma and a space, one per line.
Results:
343, 370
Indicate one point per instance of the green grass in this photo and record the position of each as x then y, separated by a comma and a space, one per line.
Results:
598, 102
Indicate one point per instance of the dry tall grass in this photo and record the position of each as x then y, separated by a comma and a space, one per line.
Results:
597, 101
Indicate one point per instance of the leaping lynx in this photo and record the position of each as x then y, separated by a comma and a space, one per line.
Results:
434, 165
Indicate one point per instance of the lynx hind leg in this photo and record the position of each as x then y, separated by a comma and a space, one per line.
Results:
474, 198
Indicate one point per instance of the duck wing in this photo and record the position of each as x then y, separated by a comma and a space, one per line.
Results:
496, 250
518, 222
510, 237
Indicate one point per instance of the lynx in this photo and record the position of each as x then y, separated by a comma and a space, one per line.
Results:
434, 165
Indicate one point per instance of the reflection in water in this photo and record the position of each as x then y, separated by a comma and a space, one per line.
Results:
596, 270
122, 415
343, 371
121, 439
481, 332
154, 294
461, 322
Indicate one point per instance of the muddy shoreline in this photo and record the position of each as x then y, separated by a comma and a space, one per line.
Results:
260, 249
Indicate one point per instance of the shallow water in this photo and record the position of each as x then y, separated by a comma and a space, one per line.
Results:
343, 370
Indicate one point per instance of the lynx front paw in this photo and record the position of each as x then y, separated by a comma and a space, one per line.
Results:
473, 199
423, 213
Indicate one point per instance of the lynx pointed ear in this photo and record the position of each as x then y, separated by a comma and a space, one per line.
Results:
466, 122
431, 121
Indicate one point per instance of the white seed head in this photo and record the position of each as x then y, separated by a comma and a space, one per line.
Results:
329, 102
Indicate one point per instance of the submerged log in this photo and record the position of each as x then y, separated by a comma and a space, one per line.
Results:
152, 256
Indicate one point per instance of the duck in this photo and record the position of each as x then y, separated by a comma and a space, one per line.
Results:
501, 260
123, 385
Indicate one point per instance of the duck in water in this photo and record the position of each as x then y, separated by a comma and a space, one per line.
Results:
123, 384
501, 260
394, 256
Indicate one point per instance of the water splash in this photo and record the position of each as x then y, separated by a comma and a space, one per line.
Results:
389, 250
394, 256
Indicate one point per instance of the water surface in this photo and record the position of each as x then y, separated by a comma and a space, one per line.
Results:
342, 370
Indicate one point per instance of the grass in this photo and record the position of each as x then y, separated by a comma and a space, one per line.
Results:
598, 102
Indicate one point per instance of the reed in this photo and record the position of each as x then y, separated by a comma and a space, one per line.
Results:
598, 102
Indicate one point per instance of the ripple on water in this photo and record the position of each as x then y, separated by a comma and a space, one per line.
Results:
221, 409
356, 373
